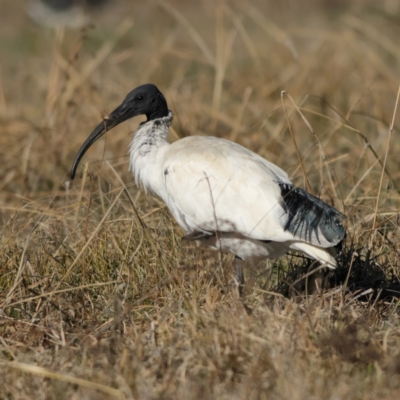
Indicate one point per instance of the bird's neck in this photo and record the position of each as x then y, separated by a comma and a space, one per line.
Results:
149, 142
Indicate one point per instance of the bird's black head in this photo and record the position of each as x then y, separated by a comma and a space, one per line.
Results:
144, 100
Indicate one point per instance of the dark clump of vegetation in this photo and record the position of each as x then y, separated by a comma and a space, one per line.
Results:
357, 274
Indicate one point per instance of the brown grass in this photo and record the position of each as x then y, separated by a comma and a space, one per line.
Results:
99, 296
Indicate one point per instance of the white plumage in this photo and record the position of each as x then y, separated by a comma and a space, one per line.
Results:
221, 193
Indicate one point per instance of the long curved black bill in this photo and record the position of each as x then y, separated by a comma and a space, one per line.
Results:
120, 114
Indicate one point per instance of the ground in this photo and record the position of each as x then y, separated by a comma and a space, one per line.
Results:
100, 298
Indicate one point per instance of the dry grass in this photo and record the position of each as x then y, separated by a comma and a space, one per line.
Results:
100, 298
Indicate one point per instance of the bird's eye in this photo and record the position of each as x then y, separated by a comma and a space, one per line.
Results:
139, 98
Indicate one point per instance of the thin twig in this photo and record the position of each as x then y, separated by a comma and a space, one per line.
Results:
384, 164
283, 93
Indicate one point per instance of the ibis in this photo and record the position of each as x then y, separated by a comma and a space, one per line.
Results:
220, 193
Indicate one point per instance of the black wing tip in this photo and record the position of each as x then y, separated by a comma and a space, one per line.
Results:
308, 215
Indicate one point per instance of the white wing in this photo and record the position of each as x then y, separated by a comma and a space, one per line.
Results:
214, 184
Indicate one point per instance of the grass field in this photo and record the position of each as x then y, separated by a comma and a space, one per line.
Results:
100, 298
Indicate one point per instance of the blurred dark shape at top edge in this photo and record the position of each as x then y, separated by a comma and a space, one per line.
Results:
56, 13
60, 5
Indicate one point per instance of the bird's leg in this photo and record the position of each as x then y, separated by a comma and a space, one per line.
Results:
238, 275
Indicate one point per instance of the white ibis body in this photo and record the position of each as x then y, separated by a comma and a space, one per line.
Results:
221, 193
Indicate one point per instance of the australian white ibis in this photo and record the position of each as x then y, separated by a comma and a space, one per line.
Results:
220, 193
